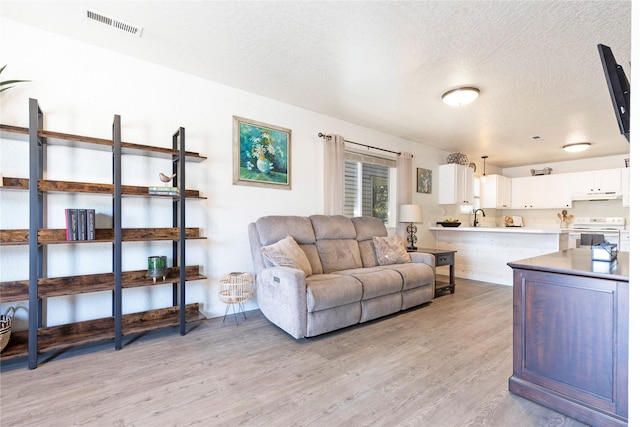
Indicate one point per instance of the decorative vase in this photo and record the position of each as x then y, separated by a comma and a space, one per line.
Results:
263, 165
157, 267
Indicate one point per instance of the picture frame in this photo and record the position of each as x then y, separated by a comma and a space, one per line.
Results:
424, 180
261, 154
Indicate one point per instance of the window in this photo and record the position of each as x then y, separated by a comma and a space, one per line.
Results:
369, 186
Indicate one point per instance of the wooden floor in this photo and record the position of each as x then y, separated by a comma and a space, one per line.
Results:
442, 364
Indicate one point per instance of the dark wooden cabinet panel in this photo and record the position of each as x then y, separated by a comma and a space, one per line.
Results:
570, 337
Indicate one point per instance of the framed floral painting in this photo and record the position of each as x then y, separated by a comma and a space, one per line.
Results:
261, 154
424, 180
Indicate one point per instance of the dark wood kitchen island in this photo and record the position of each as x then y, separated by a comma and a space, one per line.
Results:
571, 335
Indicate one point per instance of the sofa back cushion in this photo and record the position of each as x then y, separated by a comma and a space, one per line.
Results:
368, 227
336, 242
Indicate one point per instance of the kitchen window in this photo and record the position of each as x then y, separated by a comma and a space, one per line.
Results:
370, 186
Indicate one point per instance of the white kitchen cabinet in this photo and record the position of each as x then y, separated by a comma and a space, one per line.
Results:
605, 180
495, 192
625, 186
559, 191
529, 192
455, 184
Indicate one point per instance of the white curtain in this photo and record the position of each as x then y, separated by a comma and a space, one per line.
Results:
404, 165
333, 175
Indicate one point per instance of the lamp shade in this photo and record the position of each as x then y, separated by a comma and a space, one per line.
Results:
410, 213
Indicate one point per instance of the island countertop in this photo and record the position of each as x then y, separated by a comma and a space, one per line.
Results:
577, 262
520, 230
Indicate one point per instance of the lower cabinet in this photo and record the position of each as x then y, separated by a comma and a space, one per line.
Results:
570, 342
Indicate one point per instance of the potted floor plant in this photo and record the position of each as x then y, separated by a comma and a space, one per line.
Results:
4, 85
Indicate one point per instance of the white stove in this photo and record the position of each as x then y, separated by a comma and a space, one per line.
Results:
609, 227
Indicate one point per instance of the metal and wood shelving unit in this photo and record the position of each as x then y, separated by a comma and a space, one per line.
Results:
38, 287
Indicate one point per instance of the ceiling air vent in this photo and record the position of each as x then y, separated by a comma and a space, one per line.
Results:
119, 24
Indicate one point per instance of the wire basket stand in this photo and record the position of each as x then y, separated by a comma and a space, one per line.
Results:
235, 288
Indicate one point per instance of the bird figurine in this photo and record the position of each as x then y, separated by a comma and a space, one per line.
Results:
164, 178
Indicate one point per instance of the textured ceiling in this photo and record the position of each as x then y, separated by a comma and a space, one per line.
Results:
384, 65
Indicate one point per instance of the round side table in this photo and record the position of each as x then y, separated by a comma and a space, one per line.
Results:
235, 288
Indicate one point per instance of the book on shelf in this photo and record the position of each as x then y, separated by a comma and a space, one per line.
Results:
82, 224
91, 224
71, 219
166, 191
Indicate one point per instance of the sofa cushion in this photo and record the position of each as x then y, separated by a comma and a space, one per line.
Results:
337, 255
331, 290
366, 228
287, 253
275, 228
332, 227
314, 259
390, 250
413, 274
376, 281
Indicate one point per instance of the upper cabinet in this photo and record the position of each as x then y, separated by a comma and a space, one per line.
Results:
495, 192
596, 184
455, 184
541, 192
529, 192
559, 191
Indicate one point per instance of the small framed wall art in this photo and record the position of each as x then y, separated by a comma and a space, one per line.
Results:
424, 181
261, 154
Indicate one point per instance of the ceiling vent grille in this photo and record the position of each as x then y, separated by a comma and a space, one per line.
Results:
119, 24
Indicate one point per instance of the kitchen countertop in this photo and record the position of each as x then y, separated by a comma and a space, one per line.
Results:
578, 263
520, 230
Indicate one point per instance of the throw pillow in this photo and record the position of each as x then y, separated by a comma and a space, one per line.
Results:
390, 250
287, 253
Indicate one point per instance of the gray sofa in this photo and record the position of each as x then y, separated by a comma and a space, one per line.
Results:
337, 279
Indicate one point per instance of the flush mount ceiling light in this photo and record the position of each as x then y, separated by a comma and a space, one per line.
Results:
460, 96
574, 148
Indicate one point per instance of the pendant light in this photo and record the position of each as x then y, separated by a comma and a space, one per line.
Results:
484, 169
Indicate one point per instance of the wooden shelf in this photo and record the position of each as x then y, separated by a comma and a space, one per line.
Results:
87, 187
58, 236
79, 141
41, 288
72, 334
72, 285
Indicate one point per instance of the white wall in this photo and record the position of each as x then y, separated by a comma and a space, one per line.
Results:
80, 88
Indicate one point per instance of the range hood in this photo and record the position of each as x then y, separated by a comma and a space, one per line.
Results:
596, 195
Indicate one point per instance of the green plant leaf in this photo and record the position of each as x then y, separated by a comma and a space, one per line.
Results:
9, 82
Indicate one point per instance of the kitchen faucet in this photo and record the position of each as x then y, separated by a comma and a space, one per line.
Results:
475, 217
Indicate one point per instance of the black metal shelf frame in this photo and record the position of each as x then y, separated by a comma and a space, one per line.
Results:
37, 252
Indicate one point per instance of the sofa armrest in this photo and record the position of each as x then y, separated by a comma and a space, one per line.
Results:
424, 258
430, 260
282, 297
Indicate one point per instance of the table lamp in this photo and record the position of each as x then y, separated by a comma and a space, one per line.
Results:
413, 215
